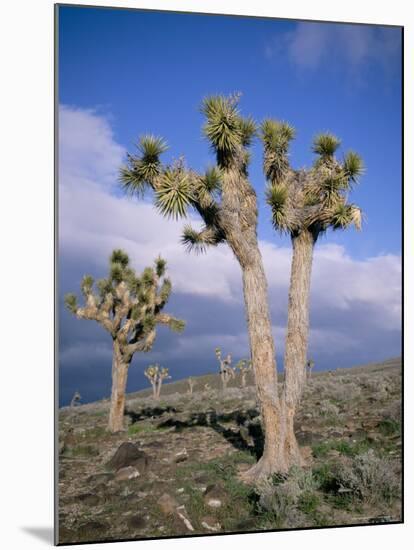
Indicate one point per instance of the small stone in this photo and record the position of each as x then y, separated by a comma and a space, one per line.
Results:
167, 504
182, 514
124, 474
211, 524
214, 502
180, 490
181, 456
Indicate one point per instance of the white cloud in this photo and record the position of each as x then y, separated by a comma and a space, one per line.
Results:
309, 45
93, 220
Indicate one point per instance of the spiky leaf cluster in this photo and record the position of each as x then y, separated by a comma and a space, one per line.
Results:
314, 199
276, 136
176, 189
325, 145
143, 170
128, 304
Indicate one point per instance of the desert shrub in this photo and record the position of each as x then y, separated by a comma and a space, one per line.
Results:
286, 497
369, 478
393, 411
328, 409
389, 426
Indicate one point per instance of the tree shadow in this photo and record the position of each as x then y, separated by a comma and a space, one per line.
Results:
148, 412
248, 438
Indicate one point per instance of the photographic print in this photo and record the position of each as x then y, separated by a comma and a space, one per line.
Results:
229, 274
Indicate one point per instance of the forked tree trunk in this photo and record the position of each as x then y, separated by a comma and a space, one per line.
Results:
119, 382
296, 342
264, 363
224, 381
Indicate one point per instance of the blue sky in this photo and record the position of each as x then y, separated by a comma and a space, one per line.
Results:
123, 73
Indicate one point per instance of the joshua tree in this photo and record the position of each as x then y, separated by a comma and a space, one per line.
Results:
129, 306
156, 375
305, 204
244, 366
226, 370
310, 364
226, 203
191, 384
75, 399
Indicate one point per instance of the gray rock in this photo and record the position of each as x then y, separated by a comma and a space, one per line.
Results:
128, 454
124, 474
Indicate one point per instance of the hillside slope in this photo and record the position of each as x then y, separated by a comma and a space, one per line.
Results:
183, 456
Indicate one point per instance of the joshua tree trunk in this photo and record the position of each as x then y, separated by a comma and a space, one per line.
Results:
296, 347
224, 380
263, 359
158, 388
119, 382
243, 379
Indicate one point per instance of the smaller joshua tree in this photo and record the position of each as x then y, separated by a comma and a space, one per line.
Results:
226, 370
75, 399
191, 384
244, 366
129, 306
309, 365
156, 375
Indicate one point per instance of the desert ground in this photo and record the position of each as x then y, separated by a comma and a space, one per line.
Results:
176, 470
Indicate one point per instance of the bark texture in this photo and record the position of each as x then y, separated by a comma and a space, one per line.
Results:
119, 382
239, 218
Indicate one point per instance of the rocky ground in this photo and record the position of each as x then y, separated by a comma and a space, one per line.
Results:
176, 470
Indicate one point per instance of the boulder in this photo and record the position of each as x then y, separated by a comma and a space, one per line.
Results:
128, 454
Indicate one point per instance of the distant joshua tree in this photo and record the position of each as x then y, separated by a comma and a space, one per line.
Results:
156, 375
191, 384
305, 204
226, 202
244, 366
226, 370
75, 399
310, 364
129, 306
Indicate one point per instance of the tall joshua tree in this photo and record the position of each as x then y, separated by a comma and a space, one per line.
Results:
305, 204
129, 306
226, 203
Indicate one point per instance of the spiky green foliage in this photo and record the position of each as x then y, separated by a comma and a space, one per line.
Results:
346, 215
314, 199
142, 171
222, 127
276, 198
173, 194
198, 241
127, 304
71, 302
119, 256
176, 325
86, 284
353, 166
165, 291
248, 128
177, 189
276, 137
160, 266
325, 144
